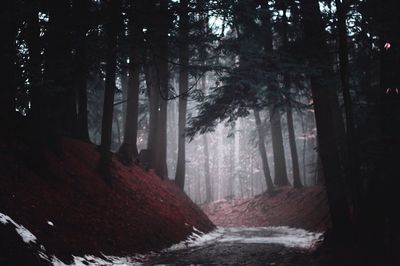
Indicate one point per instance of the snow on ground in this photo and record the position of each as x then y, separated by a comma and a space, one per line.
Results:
26, 236
93, 260
281, 235
29, 238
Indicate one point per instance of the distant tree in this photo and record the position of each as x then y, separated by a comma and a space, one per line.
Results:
263, 153
289, 109
207, 174
281, 178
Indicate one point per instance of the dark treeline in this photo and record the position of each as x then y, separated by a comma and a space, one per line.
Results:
105, 71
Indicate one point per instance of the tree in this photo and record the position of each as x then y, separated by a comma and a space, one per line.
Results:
207, 176
274, 111
81, 12
59, 98
263, 153
183, 89
157, 80
112, 27
289, 109
281, 178
323, 99
128, 150
293, 147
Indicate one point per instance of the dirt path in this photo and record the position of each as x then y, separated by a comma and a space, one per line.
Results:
241, 246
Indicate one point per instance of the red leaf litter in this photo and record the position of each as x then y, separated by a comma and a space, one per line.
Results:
65, 203
305, 208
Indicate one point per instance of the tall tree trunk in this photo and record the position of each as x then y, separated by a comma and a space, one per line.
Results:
154, 99
303, 127
158, 79
160, 157
263, 153
289, 113
231, 177
81, 11
108, 108
353, 166
152, 81
183, 88
281, 178
293, 148
207, 176
327, 139
128, 150
60, 95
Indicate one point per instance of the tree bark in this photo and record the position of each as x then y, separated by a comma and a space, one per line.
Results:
59, 97
353, 165
322, 95
207, 176
281, 178
108, 107
263, 153
128, 150
293, 148
81, 11
154, 98
289, 113
160, 156
183, 88
157, 81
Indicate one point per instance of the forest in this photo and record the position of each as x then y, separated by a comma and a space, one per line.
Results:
159, 113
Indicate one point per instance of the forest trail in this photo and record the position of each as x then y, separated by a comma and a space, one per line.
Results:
242, 246
250, 231
223, 246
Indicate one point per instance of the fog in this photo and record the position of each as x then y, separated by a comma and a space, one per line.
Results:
229, 155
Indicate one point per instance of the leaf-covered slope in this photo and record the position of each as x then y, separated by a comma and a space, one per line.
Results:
138, 213
305, 208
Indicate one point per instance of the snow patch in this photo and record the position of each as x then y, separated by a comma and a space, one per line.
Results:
93, 260
86, 260
281, 235
24, 233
